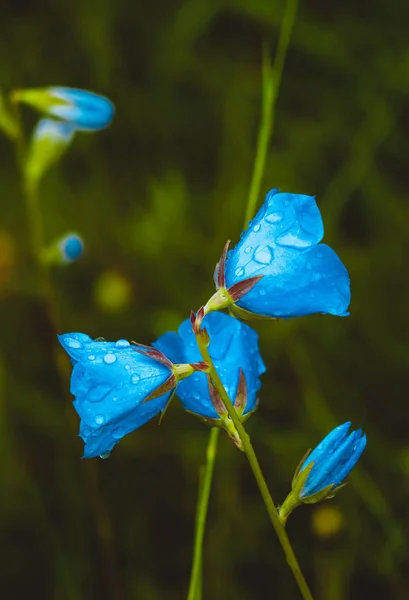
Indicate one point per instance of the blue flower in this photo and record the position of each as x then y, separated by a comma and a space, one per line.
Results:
56, 131
110, 381
85, 110
71, 247
332, 460
323, 471
234, 351
279, 268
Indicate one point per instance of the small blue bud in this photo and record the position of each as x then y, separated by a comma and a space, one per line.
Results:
110, 381
333, 459
85, 110
236, 356
323, 471
71, 247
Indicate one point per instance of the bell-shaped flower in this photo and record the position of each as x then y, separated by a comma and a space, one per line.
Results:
234, 351
85, 110
279, 268
117, 387
323, 471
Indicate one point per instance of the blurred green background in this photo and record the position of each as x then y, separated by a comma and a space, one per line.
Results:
155, 197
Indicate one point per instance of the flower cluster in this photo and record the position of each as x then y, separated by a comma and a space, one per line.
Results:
278, 269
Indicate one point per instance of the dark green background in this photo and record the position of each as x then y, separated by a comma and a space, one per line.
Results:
155, 197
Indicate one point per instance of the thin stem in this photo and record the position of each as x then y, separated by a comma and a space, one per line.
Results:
271, 79
35, 230
203, 503
258, 474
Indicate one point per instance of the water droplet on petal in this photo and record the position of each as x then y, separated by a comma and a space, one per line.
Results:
196, 378
118, 433
239, 272
99, 419
135, 378
71, 343
274, 217
316, 276
262, 291
263, 255
295, 238
257, 228
127, 367
196, 396
122, 344
248, 249
91, 357
105, 455
109, 358
86, 432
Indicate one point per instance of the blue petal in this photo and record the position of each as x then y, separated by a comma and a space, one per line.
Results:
88, 111
300, 276
233, 346
328, 444
110, 381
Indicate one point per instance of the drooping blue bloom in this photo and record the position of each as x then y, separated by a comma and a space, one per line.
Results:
299, 276
86, 110
110, 381
71, 247
233, 349
333, 459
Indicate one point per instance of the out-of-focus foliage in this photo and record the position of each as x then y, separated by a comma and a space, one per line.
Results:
155, 197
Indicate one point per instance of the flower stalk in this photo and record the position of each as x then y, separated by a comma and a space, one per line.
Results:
247, 447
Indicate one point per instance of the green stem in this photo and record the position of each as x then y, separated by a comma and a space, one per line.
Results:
203, 503
258, 474
271, 79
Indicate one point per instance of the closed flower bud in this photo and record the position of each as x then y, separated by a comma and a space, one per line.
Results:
234, 351
323, 471
117, 387
71, 247
86, 110
279, 268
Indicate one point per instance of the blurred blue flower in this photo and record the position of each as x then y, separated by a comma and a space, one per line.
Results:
234, 351
110, 381
298, 275
71, 247
58, 131
86, 110
332, 460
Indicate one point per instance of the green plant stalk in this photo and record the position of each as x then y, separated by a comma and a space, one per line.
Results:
257, 472
102, 523
271, 79
203, 503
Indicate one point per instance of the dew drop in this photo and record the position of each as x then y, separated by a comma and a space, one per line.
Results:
264, 255
262, 292
118, 433
316, 277
196, 396
71, 343
248, 249
99, 419
91, 357
122, 344
196, 378
127, 367
86, 432
135, 378
109, 358
105, 455
274, 217
239, 272
257, 228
